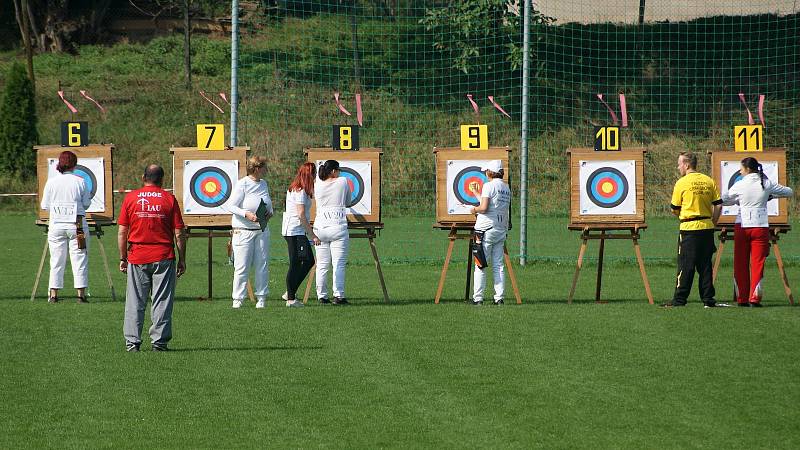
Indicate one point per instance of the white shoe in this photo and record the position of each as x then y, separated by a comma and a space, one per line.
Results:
260, 304
237, 304
285, 296
294, 303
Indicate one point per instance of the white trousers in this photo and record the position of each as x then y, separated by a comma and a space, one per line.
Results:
250, 249
62, 240
493, 243
335, 243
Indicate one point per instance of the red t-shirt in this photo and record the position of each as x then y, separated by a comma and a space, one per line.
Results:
152, 215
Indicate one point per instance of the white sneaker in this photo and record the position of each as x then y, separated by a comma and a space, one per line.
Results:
237, 304
260, 304
294, 303
285, 296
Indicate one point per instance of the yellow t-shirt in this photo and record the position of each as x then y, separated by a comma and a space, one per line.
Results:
694, 196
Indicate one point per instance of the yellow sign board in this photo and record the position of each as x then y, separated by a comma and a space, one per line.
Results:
748, 138
606, 139
474, 137
210, 136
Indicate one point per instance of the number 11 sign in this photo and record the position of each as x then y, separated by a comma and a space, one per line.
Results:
748, 138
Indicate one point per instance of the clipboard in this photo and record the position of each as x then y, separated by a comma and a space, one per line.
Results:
261, 215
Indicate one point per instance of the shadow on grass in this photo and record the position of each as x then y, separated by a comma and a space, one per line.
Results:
270, 348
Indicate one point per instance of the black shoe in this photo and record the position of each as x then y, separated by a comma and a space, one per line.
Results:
340, 301
743, 305
755, 305
498, 302
52, 300
160, 348
324, 301
82, 300
672, 304
132, 348
477, 303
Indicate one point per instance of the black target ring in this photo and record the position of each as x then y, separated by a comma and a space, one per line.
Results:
356, 184
88, 177
221, 182
461, 184
607, 175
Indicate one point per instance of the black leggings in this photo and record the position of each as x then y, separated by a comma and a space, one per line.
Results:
301, 259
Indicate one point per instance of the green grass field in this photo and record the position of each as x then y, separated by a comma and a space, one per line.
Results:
408, 374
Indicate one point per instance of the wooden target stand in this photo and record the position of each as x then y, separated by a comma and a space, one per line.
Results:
206, 226
777, 224
455, 218
360, 225
95, 220
604, 227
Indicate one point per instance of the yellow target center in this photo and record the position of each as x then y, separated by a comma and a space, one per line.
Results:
211, 187
607, 187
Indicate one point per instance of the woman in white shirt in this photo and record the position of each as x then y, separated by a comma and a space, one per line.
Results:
66, 199
491, 227
751, 237
297, 231
331, 193
250, 243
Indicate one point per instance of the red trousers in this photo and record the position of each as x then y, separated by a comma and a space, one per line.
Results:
750, 250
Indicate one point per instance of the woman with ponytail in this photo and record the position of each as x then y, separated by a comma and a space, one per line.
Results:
751, 232
331, 193
297, 231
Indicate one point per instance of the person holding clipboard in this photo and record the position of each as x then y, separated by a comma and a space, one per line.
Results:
251, 208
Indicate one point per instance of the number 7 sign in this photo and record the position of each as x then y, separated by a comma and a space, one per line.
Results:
210, 136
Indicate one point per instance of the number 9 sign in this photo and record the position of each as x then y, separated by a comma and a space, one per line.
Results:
474, 137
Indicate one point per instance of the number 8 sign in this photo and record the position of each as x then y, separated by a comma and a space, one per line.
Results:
344, 137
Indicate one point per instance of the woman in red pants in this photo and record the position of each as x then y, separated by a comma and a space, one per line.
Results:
751, 236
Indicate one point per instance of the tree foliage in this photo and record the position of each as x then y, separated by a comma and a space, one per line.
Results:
17, 125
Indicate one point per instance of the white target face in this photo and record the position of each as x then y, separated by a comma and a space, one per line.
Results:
729, 175
359, 178
93, 174
208, 185
607, 187
464, 176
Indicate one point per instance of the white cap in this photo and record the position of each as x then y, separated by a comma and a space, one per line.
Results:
494, 165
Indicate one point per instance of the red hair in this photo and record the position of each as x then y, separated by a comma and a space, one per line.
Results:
66, 161
304, 180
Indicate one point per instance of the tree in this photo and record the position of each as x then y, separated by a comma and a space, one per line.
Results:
18, 125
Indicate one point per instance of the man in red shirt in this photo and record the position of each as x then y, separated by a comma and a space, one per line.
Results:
150, 224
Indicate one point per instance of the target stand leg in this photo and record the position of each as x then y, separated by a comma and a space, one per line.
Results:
471, 242
39, 272
600, 268
781, 268
511, 274
371, 238
584, 242
723, 236
311, 273
442, 277
98, 231
640, 261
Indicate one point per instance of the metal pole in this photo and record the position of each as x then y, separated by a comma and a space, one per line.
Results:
523, 185
234, 69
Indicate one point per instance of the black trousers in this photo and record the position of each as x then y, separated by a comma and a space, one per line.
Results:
301, 259
695, 251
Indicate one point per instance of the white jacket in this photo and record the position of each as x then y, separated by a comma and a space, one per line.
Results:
752, 199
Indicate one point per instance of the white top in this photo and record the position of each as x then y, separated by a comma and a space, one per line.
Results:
331, 196
65, 196
246, 196
291, 225
496, 215
752, 199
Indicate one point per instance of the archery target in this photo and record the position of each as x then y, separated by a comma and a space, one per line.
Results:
608, 187
207, 185
359, 179
461, 174
93, 174
729, 171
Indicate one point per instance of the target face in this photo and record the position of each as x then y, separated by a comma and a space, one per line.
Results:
359, 179
355, 183
607, 187
93, 173
729, 171
208, 184
469, 177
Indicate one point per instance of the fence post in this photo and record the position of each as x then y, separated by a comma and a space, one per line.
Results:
234, 69
523, 185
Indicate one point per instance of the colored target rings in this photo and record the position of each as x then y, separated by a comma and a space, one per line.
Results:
607, 187
210, 187
356, 184
471, 175
734, 178
88, 178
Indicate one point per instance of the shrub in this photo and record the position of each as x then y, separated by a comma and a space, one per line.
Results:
18, 125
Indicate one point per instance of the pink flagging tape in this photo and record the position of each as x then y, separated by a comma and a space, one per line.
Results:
498, 107
69, 105
623, 110
359, 112
474, 105
86, 96
761, 110
749, 115
339, 104
224, 98
614, 117
210, 101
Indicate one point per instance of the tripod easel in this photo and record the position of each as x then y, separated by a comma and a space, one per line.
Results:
466, 234
95, 229
774, 231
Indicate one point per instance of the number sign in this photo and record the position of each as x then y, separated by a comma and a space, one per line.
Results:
210, 136
748, 138
345, 137
474, 137
74, 134
606, 139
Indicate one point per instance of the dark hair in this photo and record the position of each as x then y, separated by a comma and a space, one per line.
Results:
304, 180
690, 158
492, 174
753, 166
66, 161
327, 168
153, 174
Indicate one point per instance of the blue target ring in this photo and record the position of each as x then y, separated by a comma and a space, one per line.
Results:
607, 187
210, 187
356, 184
88, 178
462, 181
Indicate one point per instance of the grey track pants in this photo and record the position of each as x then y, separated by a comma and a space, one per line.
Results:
158, 278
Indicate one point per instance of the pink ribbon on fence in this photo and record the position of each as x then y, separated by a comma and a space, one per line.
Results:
761, 110
623, 109
359, 112
750, 120
210, 101
614, 117
498, 107
86, 96
339, 104
69, 105
474, 105
224, 98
